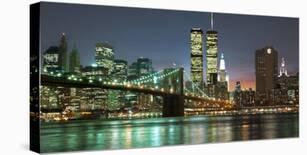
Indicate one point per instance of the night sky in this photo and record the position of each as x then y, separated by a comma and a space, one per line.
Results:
163, 35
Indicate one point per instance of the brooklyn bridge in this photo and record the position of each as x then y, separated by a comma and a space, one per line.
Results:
167, 83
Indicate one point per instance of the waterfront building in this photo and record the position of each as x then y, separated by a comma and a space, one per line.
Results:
104, 56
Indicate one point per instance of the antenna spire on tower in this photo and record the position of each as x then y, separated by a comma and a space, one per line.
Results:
211, 21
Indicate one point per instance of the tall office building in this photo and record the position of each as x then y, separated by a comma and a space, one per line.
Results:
287, 85
132, 98
119, 74
104, 56
266, 63
237, 96
223, 81
222, 70
95, 72
286, 81
63, 62
120, 70
196, 40
94, 98
144, 66
51, 60
283, 69
133, 71
74, 61
212, 54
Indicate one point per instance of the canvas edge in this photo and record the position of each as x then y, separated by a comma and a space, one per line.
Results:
34, 77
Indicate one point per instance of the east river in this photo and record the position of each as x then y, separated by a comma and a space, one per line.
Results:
138, 133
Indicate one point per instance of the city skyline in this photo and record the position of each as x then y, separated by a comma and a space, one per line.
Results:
105, 77
174, 28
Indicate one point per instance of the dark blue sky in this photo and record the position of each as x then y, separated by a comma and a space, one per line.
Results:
163, 35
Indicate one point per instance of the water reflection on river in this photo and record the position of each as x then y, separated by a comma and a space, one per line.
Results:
120, 134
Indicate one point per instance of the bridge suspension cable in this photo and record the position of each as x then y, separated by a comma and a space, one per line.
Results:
152, 77
195, 86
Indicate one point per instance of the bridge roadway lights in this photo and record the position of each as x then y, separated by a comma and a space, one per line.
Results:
173, 105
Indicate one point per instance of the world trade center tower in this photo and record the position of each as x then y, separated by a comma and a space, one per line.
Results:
211, 55
197, 57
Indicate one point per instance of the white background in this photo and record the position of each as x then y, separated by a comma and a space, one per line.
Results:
14, 70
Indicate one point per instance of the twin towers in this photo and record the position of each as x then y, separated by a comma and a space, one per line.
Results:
213, 74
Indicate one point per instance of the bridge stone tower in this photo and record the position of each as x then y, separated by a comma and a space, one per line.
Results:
173, 104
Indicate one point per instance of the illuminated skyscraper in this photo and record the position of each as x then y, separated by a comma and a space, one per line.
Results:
223, 81
283, 70
144, 66
197, 56
94, 98
51, 60
287, 85
266, 69
63, 53
104, 56
222, 70
120, 73
211, 55
120, 70
133, 71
